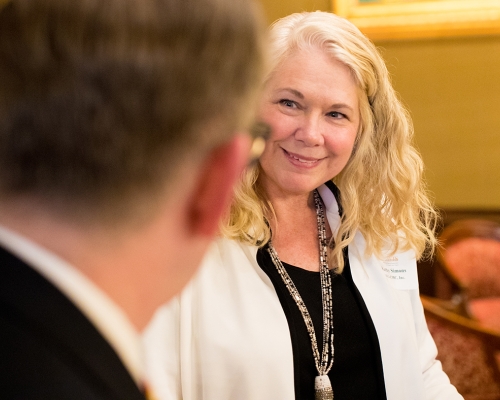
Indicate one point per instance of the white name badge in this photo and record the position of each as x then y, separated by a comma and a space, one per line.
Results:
401, 270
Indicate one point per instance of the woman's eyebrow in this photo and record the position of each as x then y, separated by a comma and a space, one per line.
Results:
293, 91
342, 105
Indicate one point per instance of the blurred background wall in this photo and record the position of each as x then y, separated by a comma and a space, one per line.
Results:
452, 89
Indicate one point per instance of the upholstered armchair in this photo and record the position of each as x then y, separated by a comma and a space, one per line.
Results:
469, 269
468, 351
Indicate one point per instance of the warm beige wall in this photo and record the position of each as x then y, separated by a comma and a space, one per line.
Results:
452, 89
275, 9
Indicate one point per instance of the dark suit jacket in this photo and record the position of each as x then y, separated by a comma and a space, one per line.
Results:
48, 348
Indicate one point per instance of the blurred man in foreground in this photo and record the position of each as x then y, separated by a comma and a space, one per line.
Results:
122, 130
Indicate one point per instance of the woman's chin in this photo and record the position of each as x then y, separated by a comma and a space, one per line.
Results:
298, 187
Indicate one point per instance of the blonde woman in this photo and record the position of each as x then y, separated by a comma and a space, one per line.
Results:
312, 291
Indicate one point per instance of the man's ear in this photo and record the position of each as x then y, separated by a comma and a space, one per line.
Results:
213, 191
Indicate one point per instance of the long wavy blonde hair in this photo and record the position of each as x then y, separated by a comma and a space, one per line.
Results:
382, 188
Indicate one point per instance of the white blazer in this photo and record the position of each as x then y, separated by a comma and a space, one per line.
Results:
226, 337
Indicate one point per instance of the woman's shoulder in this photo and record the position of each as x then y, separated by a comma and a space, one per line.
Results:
226, 257
224, 250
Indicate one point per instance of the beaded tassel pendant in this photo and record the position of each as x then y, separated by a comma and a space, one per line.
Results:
323, 388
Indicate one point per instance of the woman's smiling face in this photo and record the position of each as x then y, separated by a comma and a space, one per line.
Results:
311, 103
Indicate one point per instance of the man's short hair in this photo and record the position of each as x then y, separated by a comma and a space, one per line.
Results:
102, 99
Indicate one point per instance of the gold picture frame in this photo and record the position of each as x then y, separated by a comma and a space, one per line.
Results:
413, 19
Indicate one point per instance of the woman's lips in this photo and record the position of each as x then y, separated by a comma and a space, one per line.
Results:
300, 160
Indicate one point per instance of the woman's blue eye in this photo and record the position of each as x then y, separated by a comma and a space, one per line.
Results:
287, 103
337, 115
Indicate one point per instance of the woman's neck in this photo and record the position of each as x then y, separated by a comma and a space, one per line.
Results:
289, 207
295, 229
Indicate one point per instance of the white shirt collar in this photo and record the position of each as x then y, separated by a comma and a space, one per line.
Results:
107, 316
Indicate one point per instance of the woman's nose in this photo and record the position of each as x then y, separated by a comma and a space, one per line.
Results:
310, 132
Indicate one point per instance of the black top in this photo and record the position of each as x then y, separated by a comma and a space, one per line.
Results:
357, 369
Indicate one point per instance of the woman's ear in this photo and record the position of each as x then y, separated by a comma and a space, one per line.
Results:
214, 188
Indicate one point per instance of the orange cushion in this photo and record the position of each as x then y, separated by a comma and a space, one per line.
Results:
486, 311
476, 264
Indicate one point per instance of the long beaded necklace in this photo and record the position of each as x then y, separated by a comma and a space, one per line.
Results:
322, 385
